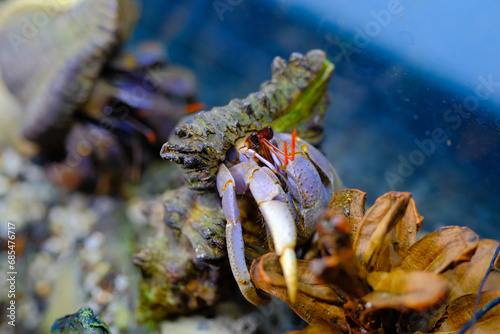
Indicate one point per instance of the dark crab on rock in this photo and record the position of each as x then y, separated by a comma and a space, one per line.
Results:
97, 116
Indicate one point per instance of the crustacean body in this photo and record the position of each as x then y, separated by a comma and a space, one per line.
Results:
95, 115
291, 189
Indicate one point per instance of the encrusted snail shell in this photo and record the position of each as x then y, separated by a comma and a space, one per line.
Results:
199, 142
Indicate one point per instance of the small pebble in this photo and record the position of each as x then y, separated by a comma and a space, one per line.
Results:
12, 163
4, 185
42, 288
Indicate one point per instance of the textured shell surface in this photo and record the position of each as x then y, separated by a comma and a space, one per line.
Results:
52, 51
200, 142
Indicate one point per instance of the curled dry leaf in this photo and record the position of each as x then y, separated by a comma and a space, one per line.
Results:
382, 217
440, 249
493, 281
314, 301
462, 309
402, 290
351, 204
398, 241
466, 277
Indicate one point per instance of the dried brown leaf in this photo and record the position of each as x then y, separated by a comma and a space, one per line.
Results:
438, 250
462, 309
313, 302
403, 290
387, 211
351, 204
492, 282
466, 277
398, 241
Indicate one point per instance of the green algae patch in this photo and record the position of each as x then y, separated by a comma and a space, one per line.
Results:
299, 109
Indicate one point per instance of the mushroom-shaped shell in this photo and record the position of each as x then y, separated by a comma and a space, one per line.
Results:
52, 50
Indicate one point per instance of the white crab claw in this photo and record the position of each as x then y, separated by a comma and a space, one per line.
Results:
283, 231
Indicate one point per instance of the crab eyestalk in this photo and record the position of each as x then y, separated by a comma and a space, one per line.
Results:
281, 155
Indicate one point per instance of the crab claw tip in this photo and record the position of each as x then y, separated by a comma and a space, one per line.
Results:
288, 262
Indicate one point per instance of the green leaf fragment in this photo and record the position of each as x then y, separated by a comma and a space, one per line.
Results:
300, 108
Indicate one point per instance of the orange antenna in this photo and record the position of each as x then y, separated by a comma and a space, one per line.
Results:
261, 139
294, 134
274, 149
286, 155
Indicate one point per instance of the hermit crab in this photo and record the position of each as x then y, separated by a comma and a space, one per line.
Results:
279, 179
292, 189
97, 116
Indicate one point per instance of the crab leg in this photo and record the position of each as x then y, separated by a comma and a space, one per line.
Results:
234, 237
286, 155
273, 204
249, 153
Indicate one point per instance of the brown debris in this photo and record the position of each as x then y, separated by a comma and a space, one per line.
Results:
387, 282
466, 277
440, 249
314, 301
351, 204
462, 309
319, 326
339, 265
402, 290
398, 241
383, 216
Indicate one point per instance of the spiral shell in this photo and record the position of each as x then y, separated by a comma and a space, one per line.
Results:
52, 51
199, 143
